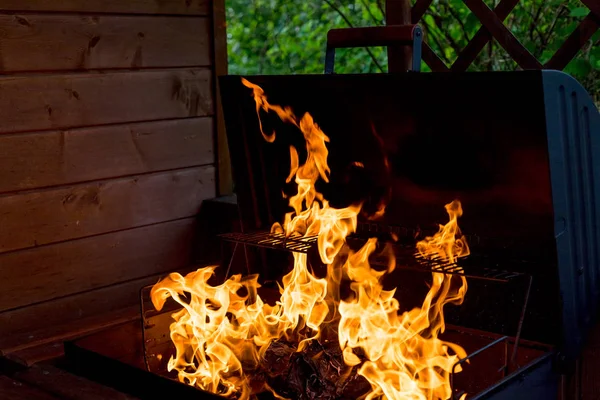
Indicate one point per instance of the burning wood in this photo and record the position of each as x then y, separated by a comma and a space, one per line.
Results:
312, 343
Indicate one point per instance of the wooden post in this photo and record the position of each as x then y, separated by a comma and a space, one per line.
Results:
397, 12
223, 161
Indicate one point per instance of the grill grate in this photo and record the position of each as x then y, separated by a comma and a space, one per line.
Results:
272, 241
405, 255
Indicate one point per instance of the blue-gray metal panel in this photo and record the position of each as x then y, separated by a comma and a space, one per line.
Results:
573, 127
536, 381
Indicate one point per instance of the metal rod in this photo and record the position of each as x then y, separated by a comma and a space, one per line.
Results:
470, 356
513, 358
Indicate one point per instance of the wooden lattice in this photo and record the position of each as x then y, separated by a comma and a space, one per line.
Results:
492, 27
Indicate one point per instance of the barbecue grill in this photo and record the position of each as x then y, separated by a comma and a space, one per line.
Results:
521, 150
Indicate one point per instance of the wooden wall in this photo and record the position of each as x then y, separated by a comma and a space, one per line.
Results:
106, 154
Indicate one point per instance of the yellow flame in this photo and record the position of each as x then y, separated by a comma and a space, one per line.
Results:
222, 332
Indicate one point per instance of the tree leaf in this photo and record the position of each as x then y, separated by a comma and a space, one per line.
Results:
579, 12
579, 68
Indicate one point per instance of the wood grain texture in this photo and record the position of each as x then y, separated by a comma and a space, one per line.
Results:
187, 7
76, 266
397, 12
32, 219
34, 355
225, 177
65, 385
52, 158
33, 42
14, 390
31, 103
71, 317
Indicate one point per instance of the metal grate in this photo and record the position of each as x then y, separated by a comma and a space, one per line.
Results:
272, 241
472, 267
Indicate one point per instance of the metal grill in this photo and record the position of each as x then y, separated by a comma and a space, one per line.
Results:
404, 253
272, 241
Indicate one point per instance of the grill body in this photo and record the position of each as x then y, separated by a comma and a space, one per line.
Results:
520, 150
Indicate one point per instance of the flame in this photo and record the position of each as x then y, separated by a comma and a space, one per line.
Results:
222, 332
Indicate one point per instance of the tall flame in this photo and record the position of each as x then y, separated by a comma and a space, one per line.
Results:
222, 332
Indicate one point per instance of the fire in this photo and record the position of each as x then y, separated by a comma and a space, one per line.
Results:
222, 332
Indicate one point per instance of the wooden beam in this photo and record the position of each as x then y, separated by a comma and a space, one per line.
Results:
432, 60
397, 12
505, 38
576, 40
220, 61
419, 10
481, 38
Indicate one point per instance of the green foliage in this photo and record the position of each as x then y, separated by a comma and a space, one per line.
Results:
288, 36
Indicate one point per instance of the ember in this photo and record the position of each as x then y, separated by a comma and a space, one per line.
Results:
312, 343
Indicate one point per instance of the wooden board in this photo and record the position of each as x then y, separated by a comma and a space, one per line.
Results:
59, 157
41, 102
189, 7
80, 265
225, 177
65, 385
72, 42
49, 216
70, 317
14, 390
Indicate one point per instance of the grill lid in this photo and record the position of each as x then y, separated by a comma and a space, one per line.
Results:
516, 148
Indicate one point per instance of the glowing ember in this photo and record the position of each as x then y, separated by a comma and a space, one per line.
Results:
223, 333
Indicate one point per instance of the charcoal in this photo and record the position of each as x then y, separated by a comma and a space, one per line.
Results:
317, 372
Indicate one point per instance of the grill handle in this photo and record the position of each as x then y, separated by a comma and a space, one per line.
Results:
390, 35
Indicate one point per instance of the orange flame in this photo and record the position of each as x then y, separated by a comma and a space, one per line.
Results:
222, 332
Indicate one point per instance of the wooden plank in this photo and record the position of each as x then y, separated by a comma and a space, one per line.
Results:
435, 63
397, 12
187, 7
80, 265
225, 177
14, 390
419, 9
41, 102
49, 216
481, 38
53, 158
505, 38
65, 385
71, 317
576, 40
72, 42
43, 353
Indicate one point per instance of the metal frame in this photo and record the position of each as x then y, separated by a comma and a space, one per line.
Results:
573, 124
409, 35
